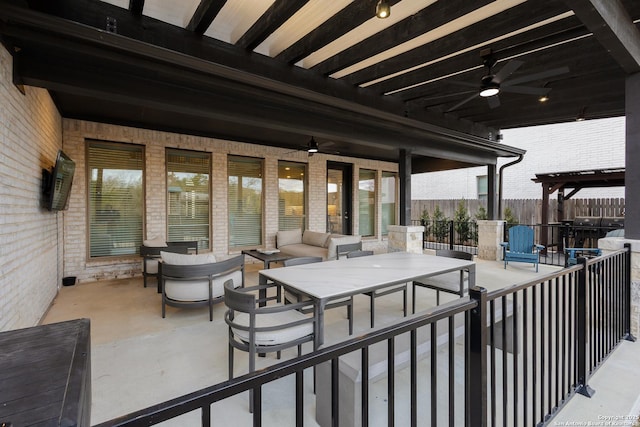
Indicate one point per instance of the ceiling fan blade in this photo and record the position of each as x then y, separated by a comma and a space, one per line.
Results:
461, 103
493, 101
507, 70
538, 76
527, 90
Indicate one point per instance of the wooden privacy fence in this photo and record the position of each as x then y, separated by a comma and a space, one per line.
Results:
526, 211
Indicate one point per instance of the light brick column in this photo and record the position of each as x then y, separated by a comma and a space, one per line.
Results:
490, 235
612, 244
404, 238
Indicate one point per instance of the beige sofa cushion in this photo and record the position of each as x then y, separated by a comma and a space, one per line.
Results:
304, 250
335, 241
288, 237
315, 238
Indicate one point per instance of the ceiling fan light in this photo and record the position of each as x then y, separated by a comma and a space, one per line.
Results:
312, 146
383, 10
489, 91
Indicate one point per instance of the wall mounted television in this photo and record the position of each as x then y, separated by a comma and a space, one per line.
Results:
57, 183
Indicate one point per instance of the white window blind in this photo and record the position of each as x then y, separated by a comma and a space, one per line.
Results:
245, 201
116, 199
367, 202
188, 189
388, 196
291, 195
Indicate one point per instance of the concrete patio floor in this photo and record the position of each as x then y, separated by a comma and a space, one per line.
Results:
140, 359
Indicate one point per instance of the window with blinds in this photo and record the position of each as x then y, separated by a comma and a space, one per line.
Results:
245, 201
188, 189
116, 198
367, 202
388, 195
291, 195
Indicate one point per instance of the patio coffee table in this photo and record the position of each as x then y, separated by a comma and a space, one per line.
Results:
266, 258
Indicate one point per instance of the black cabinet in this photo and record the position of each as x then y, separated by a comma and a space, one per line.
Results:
45, 375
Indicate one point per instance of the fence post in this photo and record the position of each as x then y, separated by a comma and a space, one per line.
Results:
476, 369
581, 331
627, 293
451, 235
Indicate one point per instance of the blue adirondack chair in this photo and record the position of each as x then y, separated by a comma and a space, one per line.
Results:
520, 247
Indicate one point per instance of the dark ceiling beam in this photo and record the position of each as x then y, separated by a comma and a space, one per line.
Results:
611, 23
277, 14
571, 55
352, 16
512, 19
204, 15
516, 45
427, 19
136, 7
168, 44
238, 104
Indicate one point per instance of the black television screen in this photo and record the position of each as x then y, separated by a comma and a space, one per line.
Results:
59, 186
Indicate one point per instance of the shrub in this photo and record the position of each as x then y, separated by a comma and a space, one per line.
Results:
440, 226
509, 218
481, 214
461, 222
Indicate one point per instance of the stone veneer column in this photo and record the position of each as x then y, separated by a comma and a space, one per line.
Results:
490, 235
405, 238
611, 244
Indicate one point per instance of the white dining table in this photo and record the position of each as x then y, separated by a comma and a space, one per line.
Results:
324, 281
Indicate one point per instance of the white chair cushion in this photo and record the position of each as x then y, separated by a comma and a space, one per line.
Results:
274, 319
186, 259
198, 290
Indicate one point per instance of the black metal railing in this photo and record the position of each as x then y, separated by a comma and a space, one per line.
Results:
545, 338
448, 234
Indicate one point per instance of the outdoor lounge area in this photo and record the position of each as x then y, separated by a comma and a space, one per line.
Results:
217, 127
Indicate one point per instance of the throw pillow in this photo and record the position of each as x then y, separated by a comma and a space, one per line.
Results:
288, 237
155, 242
184, 259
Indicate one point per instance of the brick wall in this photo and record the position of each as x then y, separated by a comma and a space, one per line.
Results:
591, 144
77, 262
30, 257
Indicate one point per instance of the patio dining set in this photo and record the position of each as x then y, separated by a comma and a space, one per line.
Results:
287, 307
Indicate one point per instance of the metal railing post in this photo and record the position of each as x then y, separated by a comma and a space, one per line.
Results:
627, 293
581, 331
476, 372
451, 235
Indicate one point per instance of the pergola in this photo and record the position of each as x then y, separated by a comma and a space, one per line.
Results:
576, 181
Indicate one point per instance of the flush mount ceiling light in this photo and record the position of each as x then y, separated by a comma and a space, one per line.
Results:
543, 98
312, 146
383, 10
